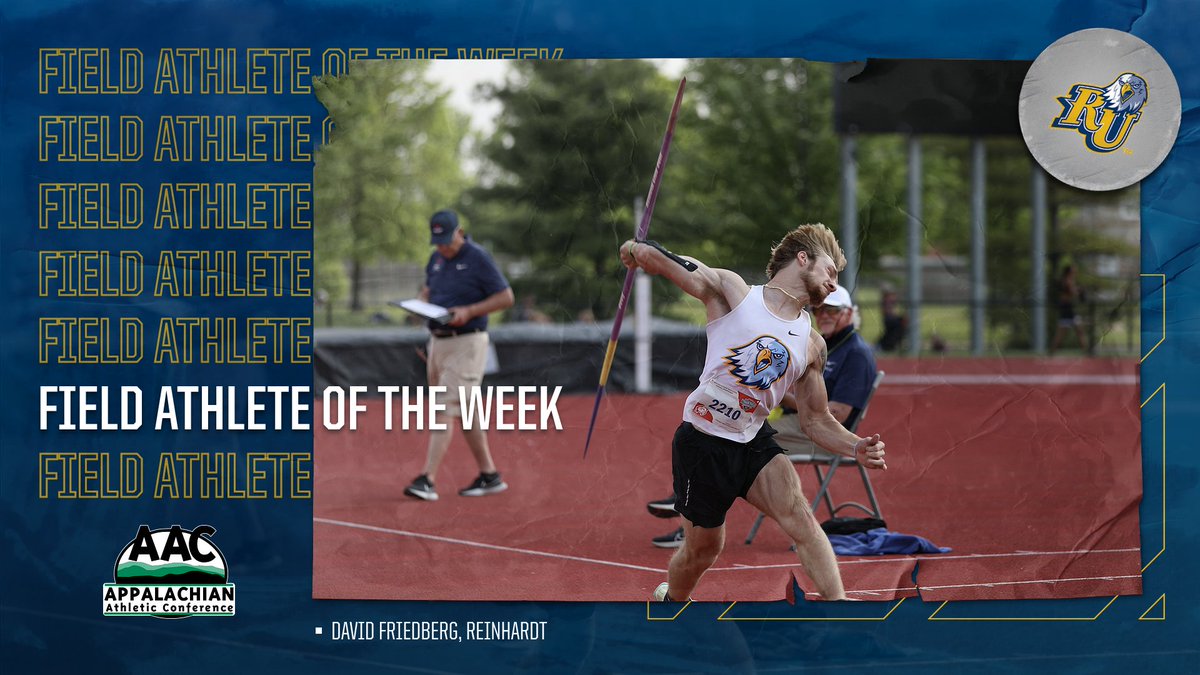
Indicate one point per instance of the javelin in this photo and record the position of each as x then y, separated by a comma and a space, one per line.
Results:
642, 231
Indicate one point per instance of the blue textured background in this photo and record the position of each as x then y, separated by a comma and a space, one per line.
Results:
56, 554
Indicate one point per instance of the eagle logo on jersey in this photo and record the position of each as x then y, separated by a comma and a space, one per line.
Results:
1104, 115
759, 363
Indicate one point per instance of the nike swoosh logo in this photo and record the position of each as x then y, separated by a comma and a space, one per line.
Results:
794, 334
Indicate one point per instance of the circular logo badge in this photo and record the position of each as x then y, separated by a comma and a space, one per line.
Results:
1099, 109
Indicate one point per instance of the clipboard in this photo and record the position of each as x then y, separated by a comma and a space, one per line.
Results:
424, 309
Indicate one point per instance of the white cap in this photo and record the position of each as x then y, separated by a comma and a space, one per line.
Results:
840, 297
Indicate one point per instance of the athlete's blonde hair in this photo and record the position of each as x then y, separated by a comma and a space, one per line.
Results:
814, 239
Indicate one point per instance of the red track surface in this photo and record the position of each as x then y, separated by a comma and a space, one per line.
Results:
1029, 469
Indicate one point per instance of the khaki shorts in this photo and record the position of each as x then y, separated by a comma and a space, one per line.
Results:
792, 438
455, 362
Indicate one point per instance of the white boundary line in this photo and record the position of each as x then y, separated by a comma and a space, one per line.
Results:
739, 567
990, 584
994, 379
873, 591
509, 549
934, 556
1034, 581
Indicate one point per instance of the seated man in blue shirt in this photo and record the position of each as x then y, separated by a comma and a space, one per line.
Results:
849, 373
462, 277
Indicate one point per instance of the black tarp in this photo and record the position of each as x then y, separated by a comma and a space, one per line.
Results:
566, 355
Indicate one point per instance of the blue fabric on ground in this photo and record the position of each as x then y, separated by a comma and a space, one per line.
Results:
880, 541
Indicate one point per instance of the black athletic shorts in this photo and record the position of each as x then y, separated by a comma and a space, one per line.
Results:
711, 472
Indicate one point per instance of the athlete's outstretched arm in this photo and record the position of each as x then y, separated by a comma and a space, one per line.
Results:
720, 290
820, 425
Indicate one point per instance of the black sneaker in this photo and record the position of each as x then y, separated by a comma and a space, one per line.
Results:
422, 488
672, 540
485, 484
663, 508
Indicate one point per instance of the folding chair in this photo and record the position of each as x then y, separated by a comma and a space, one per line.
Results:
820, 458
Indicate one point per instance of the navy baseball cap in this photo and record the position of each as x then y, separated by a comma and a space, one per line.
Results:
442, 226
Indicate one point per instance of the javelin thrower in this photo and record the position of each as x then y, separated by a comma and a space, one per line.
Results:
761, 344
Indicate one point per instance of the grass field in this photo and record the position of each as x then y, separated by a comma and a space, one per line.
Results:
952, 323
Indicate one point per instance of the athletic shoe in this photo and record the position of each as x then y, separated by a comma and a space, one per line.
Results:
672, 540
663, 508
422, 488
660, 593
485, 484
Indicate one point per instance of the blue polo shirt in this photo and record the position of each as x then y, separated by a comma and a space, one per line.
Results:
467, 278
849, 371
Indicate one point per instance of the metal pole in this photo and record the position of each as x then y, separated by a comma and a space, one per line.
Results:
641, 318
1038, 276
978, 244
849, 276
914, 245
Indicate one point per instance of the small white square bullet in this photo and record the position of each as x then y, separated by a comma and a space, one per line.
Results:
318, 630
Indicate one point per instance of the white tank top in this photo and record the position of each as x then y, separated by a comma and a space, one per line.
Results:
753, 359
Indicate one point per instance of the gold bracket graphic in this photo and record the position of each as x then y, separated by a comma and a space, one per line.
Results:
723, 616
1163, 401
1160, 602
935, 617
665, 618
1163, 335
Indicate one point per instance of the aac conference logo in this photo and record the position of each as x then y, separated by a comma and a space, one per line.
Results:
1088, 113
170, 574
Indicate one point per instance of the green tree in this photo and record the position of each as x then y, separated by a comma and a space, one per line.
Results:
760, 158
754, 155
765, 159
394, 158
574, 145
1009, 227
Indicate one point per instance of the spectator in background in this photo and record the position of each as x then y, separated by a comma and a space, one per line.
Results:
894, 323
1067, 293
938, 344
462, 277
526, 311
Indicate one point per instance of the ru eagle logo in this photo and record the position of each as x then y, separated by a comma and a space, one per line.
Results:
759, 363
1104, 115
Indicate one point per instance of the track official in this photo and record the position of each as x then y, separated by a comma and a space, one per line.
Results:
462, 277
